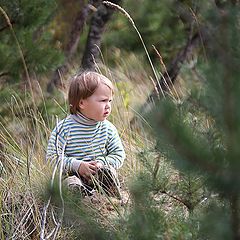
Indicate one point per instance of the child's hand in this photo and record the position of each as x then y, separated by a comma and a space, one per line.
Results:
98, 165
87, 169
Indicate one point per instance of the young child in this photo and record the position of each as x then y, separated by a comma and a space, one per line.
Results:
86, 142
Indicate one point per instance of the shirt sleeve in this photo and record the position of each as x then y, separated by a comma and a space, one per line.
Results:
56, 150
115, 152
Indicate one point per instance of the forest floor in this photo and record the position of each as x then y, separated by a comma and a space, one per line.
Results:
109, 207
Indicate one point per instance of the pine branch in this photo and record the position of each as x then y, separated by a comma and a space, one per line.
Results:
185, 202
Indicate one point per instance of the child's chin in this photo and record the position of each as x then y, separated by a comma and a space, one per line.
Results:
101, 119
104, 118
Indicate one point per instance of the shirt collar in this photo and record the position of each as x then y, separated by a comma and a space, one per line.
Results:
79, 117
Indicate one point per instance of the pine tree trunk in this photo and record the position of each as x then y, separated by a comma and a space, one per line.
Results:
77, 28
175, 66
97, 27
72, 44
170, 75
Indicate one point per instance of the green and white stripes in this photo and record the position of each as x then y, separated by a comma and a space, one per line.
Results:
85, 140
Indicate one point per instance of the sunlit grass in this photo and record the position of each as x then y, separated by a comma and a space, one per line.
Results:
25, 174
32, 197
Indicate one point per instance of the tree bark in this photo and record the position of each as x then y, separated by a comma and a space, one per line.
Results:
72, 44
97, 27
173, 70
78, 27
175, 66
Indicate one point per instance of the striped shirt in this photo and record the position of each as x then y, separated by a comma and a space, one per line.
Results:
77, 138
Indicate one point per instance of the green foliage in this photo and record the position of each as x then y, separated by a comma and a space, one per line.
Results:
189, 186
124, 93
212, 152
30, 24
155, 215
216, 222
144, 219
159, 24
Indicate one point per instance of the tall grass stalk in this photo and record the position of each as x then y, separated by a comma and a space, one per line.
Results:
125, 13
199, 29
166, 71
25, 140
25, 169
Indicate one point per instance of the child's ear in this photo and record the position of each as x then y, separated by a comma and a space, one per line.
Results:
81, 104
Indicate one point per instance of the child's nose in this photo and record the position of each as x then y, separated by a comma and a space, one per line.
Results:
108, 105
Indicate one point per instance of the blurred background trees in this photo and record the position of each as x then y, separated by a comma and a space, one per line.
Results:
31, 24
201, 135
186, 177
53, 35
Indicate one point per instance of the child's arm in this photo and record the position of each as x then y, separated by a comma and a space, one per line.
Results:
56, 150
115, 151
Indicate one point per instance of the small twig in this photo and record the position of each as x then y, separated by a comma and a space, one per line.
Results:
156, 168
185, 203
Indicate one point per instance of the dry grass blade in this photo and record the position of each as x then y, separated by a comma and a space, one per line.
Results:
125, 13
166, 71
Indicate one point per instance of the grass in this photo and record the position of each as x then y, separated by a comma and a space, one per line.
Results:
33, 203
25, 175
32, 209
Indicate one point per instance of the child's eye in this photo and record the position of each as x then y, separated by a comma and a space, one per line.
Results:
106, 100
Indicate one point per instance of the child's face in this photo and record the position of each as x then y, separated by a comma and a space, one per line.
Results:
98, 105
